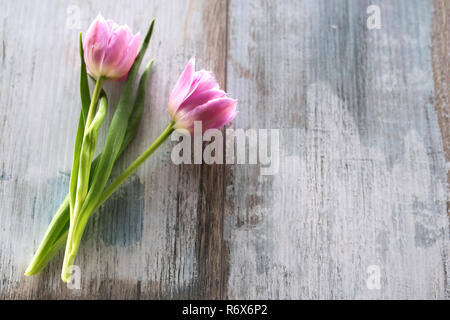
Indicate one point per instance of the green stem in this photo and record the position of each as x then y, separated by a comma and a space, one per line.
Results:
93, 105
133, 167
73, 243
80, 220
75, 169
86, 155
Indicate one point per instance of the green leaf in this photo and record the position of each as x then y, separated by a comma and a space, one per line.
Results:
84, 85
138, 109
88, 150
85, 102
59, 223
86, 156
56, 234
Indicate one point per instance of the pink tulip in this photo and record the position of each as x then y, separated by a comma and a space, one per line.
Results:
109, 49
197, 97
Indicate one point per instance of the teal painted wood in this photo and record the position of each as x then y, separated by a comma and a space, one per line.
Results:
362, 179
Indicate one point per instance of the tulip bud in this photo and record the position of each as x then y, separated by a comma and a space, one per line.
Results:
109, 49
197, 97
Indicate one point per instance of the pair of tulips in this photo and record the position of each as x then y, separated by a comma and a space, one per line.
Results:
110, 52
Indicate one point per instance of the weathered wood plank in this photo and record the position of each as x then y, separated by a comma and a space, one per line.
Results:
211, 195
440, 48
362, 178
157, 237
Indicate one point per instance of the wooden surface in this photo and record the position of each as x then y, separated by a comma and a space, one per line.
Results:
363, 117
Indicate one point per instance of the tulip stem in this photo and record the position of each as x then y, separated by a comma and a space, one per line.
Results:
133, 167
75, 170
93, 105
80, 219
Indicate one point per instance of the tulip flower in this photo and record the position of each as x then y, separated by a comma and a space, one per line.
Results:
197, 97
109, 49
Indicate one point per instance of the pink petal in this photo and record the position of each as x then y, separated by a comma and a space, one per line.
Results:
112, 24
207, 82
203, 81
95, 44
116, 48
222, 121
182, 87
198, 98
121, 70
213, 114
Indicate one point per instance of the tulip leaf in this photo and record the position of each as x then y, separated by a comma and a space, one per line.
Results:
59, 224
88, 150
85, 102
138, 108
84, 85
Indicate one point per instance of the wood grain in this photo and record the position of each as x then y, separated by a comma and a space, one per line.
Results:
440, 41
364, 153
362, 179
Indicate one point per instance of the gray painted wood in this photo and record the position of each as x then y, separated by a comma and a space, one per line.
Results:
362, 177
363, 135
